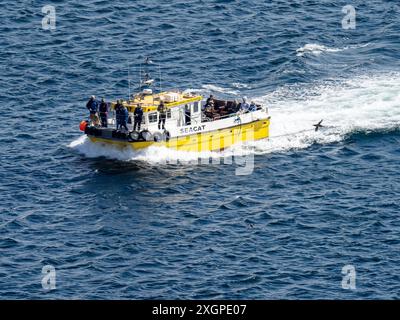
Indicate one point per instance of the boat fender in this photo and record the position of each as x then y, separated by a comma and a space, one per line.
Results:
83, 125
134, 136
158, 136
146, 135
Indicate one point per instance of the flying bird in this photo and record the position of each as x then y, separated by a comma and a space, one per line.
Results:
318, 125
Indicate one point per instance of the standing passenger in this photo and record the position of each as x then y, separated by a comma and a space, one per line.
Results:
118, 110
138, 116
124, 117
92, 106
103, 110
162, 115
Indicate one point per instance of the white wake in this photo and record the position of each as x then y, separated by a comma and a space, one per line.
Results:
317, 49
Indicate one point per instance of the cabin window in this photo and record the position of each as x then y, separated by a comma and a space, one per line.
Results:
169, 114
152, 117
196, 107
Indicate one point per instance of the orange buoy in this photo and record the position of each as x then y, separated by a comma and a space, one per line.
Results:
82, 125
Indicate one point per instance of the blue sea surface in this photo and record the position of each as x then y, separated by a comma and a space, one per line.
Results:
157, 225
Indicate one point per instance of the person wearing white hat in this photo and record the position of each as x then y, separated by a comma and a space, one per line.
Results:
245, 106
93, 107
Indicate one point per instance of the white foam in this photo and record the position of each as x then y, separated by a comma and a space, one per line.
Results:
361, 104
152, 154
365, 103
241, 85
317, 49
214, 88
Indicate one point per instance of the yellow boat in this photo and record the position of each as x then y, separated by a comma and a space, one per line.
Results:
191, 123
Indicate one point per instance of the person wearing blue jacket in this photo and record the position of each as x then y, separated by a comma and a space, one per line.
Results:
124, 117
138, 116
118, 110
93, 107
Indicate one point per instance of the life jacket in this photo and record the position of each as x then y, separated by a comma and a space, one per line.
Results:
138, 113
118, 112
161, 109
126, 113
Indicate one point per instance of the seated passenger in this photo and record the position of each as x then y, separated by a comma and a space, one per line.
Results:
253, 106
235, 106
244, 106
209, 111
223, 108
210, 102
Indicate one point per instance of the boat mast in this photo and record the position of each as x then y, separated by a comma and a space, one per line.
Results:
129, 83
159, 69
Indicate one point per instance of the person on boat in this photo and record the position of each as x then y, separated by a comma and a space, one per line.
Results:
234, 107
118, 112
162, 110
244, 106
92, 106
210, 101
253, 106
103, 111
138, 116
209, 109
124, 113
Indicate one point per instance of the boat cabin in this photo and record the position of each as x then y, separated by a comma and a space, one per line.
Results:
183, 109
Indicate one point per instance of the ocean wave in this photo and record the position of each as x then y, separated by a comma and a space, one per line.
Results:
316, 49
361, 104
214, 88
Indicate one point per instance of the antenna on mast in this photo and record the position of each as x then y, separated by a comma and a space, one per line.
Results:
129, 83
140, 77
159, 70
